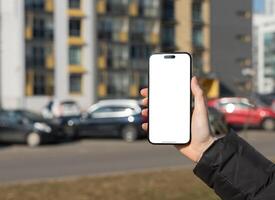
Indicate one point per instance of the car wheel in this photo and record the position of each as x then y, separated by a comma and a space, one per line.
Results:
33, 139
129, 133
268, 124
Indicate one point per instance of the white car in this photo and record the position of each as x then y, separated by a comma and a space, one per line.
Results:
56, 108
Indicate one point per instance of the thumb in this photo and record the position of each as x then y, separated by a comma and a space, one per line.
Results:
198, 94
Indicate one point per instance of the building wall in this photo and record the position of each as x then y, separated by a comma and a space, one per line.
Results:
269, 7
183, 35
12, 54
231, 49
128, 32
193, 32
264, 61
20, 76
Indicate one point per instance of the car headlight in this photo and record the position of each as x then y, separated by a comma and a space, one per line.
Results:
70, 122
42, 127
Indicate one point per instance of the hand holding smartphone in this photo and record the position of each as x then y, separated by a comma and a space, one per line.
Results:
170, 116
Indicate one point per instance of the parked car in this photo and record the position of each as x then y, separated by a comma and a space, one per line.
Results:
55, 109
21, 126
241, 112
217, 121
110, 118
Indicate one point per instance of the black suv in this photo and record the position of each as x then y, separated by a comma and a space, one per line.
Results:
110, 118
21, 126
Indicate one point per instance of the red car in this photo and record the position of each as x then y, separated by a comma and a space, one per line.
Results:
241, 112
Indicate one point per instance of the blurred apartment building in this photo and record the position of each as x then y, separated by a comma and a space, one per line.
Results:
95, 49
47, 52
83, 50
269, 8
263, 52
218, 33
128, 31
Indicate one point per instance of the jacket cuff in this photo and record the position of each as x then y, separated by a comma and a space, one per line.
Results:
204, 168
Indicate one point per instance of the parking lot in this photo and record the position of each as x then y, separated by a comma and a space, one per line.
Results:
100, 156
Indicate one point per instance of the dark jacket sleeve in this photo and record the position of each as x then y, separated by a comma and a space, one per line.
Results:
236, 171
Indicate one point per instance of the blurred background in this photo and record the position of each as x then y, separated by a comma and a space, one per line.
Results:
71, 72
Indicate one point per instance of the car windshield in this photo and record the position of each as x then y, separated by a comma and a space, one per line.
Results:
32, 115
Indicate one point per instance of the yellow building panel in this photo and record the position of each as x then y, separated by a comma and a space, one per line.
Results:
76, 41
28, 33
50, 61
29, 83
102, 90
154, 38
76, 69
76, 13
123, 37
101, 61
101, 6
183, 28
49, 5
134, 90
133, 8
211, 87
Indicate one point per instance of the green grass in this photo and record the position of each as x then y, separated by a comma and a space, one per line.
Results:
176, 184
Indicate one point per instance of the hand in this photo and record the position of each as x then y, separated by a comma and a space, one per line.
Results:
201, 138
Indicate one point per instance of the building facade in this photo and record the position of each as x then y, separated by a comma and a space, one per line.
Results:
128, 31
263, 51
269, 7
218, 34
48, 52
231, 45
84, 50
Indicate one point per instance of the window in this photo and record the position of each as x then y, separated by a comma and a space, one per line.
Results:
168, 12
34, 4
74, 4
244, 14
118, 84
197, 11
197, 37
75, 83
244, 38
168, 36
113, 111
75, 55
151, 8
75, 27
39, 87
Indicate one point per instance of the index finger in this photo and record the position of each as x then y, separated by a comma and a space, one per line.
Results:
144, 92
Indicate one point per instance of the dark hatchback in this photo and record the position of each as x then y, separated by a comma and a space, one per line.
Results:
21, 126
110, 118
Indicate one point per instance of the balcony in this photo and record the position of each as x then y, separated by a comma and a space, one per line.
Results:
101, 62
123, 36
49, 6
78, 41
102, 90
76, 13
76, 69
155, 38
28, 33
133, 9
50, 61
101, 6
134, 90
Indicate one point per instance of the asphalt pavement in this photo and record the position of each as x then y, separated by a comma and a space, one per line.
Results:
101, 156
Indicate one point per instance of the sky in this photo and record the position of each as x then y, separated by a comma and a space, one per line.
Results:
258, 5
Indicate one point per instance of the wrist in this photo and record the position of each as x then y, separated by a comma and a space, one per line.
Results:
203, 147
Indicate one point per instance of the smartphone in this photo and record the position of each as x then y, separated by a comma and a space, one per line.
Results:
170, 98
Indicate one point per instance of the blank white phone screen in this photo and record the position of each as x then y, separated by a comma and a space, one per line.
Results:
169, 98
